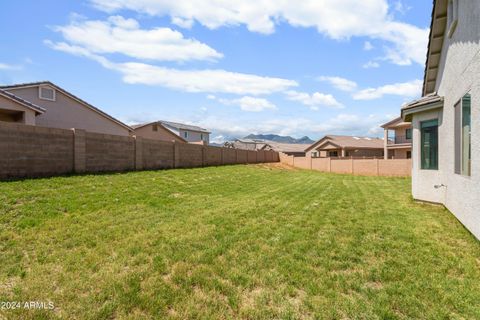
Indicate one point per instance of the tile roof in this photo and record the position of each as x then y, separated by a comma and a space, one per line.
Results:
23, 102
350, 142
287, 147
183, 126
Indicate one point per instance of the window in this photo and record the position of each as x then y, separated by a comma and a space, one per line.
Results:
201, 136
463, 145
408, 134
155, 127
429, 144
46, 93
452, 17
315, 154
409, 154
185, 134
333, 153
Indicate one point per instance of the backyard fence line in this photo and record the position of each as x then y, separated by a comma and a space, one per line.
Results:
31, 151
355, 166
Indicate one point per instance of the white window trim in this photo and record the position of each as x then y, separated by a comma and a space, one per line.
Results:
50, 88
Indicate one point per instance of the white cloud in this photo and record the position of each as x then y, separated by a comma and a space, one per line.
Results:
4, 66
371, 64
211, 97
218, 139
345, 124
209, 81
340, 83
315, 100
251, 104
367, 46
371, 18
124, 36
406, 89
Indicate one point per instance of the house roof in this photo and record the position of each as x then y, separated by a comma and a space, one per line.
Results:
287, 147
350, 142
141, 125
21, 101
65, 92
183, 126
437, 35
428, 102
397, 122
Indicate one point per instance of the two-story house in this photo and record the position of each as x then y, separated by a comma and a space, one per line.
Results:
46, 104
168, 131
397, 141
446, 120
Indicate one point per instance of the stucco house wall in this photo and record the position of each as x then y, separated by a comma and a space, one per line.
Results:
28, 114
194, 136
161, 134
67, 113
459, 73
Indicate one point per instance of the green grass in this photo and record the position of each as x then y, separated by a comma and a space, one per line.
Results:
251, 242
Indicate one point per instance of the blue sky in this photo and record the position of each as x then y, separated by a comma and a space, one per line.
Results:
234, 67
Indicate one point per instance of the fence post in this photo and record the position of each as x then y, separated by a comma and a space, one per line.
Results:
378, 167
236, 156
204, 152
311, 160
351, 164
138, 153
79, 151
329, 164
222, 161
176, 155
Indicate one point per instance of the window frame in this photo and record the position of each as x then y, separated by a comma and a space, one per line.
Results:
408, 134
185, 134
459, 137
41, 88
423, 129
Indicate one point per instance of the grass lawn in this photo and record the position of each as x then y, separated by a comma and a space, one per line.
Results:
251, 242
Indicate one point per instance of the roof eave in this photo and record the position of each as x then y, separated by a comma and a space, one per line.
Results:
407, 113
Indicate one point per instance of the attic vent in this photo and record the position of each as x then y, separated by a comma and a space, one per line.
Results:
46, 93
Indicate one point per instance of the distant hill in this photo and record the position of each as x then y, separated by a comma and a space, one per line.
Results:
280, 139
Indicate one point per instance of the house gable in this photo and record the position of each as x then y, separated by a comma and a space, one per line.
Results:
68, 111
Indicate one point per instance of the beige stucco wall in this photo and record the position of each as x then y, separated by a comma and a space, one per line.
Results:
161, 134
459, 73
67, 113
28, 114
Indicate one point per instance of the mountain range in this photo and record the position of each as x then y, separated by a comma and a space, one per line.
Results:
280, 139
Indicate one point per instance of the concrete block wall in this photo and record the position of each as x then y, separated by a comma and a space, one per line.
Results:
35, 151
157, 154
31, 151
364, 167
106, 152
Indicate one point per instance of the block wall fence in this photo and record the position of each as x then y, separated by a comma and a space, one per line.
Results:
365, 167
31, 151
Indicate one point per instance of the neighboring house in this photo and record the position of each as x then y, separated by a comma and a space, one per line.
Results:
156, 131
291, 149
62, 109
191, 134
294, 149
16, 109
346, 146
247, 144
446, 120
398, 145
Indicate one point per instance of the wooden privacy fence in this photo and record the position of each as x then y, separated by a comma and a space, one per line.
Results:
366, 167
30, 151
